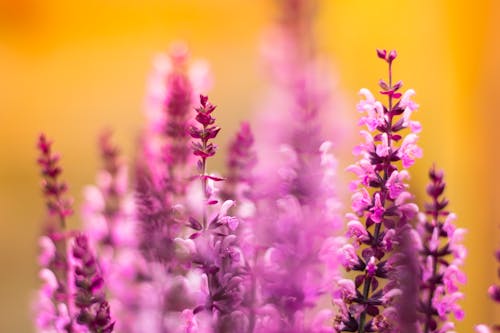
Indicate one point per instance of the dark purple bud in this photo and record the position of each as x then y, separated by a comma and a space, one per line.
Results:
381, 54
494, 292
359, 280
203, 100
398, 85
194, 224
194, 132
212, 132
383, 85
205, 119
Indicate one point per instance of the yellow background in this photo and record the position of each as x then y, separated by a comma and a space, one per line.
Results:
72, 67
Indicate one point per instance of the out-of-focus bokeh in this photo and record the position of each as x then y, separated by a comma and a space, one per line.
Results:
70, 68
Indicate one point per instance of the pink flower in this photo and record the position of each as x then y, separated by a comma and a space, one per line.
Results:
396, 184
377, 210
348, 256
344, 290
409, 150
453, 275
383, 149
406, 102
482, 329
448, 303
191, 325
371, 267
357, 230
375, 113
47, 251
365, 172
360, 201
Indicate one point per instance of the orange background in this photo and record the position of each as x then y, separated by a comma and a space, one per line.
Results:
70, 68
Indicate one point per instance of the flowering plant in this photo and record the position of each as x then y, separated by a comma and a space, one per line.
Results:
176, 248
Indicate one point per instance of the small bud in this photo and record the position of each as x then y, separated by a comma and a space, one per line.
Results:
383, 85
381, 53
392, 55
398, 85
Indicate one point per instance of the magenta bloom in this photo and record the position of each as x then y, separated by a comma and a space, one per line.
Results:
93, 309
217, 252
381, 200
54, 303
109, 221
442, 256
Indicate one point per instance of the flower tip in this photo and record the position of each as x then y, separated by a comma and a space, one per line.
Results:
203, 100
392, 55
381, 53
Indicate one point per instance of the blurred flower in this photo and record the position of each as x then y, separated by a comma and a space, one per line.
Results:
93, 309
54, 302
441, 258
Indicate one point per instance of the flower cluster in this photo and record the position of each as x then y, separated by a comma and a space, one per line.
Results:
70, 277
440, 275
381, 207
173, 247
179, 253
109, 222
93, 310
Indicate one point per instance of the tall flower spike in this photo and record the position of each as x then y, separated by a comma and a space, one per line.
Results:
93, 309
217, 251
173, 90
381, 200
107, 212
53, 305
109, 221
53, 189
441, 259
296, 205
240, 162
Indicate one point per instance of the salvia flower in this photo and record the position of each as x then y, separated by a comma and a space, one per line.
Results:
53, 306
240, 162
381, 206
172, 92
92, 309
217, 252
53, 189
109, 221
442, 257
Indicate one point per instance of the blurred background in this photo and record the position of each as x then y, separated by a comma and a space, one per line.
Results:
71, 68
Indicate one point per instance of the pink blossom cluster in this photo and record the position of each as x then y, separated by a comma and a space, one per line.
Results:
177, 252
170, 246
382, 207
442, 256
71, 297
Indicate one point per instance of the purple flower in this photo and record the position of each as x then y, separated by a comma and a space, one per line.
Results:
240, 163
217, 252
173, 88
93, 309
109, 221
53, 306
441, 258
53, 189
380, 198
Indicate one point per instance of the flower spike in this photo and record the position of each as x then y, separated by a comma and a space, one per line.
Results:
381, 200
